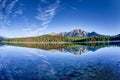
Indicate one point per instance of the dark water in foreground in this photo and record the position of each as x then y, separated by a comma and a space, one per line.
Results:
60, 61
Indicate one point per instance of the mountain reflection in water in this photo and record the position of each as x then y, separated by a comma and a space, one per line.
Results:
75, 48
17, 62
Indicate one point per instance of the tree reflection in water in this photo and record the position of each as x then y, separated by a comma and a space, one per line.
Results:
75, 48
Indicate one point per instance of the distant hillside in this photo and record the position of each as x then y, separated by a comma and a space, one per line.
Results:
62, 39
118, 35
1, 38
46, 38
76, 33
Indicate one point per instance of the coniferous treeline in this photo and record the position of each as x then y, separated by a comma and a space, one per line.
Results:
40, 39
63, 39
99, 38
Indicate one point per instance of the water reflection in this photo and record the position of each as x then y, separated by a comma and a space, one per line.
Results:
75, 48
21, 63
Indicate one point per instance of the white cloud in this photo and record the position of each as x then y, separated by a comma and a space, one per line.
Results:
3, 3
11, 6
6, 10
18, 12
45, 16
9, 11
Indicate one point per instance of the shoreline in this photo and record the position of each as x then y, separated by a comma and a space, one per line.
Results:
63, 42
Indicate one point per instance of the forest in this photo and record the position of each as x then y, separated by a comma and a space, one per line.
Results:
62, 39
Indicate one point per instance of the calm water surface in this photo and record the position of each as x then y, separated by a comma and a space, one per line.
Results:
60, 61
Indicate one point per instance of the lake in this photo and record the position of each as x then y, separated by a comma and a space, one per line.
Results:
79, 61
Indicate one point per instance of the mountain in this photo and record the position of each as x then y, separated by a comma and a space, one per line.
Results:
118, 35
75, 33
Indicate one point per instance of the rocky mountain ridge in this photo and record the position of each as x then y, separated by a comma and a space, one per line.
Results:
75, 33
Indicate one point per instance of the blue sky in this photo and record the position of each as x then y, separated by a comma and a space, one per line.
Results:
20, 18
